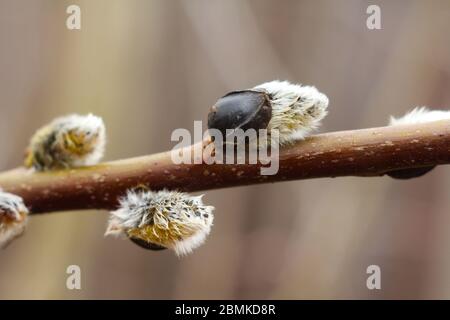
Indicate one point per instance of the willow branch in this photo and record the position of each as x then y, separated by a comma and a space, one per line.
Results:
366, 152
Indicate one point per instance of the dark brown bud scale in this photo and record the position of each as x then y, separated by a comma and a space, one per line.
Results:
247, 109
405, 174
147, 245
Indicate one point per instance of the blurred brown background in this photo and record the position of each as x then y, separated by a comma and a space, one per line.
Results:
149, 67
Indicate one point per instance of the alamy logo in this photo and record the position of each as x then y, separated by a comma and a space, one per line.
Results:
373, 21
236, 147
73, 21
73, 281
374, 280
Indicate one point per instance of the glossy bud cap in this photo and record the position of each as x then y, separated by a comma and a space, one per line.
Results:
247, 109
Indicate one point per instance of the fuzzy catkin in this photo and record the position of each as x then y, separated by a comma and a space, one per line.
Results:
296, 110
13, 217
168, 219
67, 142
420, 115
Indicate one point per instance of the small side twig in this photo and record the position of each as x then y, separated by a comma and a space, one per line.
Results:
366, 152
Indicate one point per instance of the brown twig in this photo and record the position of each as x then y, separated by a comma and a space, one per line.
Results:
367, 152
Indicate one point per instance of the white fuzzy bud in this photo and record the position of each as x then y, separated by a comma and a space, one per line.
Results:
415, 116
296, 110
67, 142
420, 115
13, 217
167, 219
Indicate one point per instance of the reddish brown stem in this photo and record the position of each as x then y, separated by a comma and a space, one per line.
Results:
367, 152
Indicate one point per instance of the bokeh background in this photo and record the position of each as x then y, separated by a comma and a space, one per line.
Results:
149, 67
